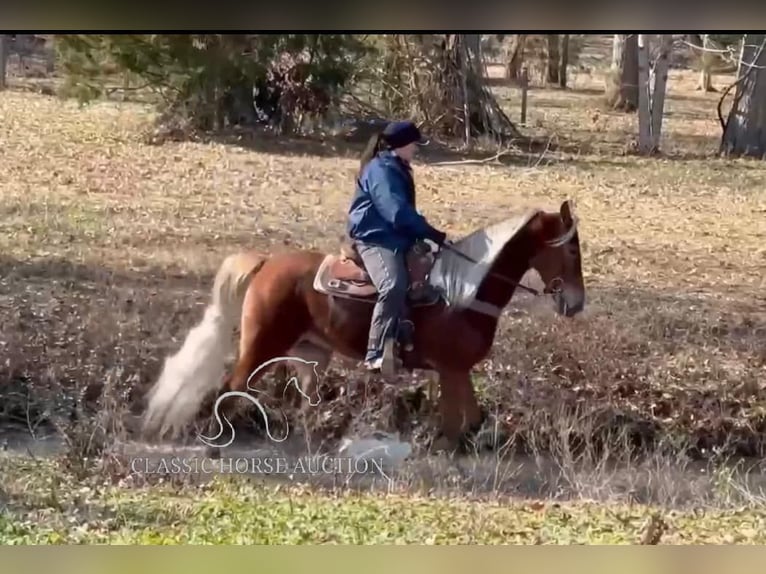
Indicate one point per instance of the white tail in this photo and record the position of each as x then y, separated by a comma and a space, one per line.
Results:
197, 369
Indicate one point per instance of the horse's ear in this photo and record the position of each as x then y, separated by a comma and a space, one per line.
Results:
541, 226
567, 212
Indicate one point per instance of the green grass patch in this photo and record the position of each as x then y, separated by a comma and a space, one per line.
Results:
43, 505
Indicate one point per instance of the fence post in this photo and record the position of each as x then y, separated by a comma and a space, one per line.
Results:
524, 87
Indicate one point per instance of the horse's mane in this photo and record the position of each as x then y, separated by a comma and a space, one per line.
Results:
459, 279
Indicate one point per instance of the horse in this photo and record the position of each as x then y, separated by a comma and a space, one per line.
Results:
314, 305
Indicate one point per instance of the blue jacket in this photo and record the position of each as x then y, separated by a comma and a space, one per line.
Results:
383, 210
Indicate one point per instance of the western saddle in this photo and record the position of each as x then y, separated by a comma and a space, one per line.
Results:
343, 274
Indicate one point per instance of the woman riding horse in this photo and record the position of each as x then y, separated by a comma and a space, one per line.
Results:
384, 224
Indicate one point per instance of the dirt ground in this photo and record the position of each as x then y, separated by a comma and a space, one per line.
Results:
109, 245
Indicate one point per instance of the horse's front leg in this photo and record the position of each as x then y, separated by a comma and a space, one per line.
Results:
459, 410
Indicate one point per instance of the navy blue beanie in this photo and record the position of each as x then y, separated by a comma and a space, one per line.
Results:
402, 133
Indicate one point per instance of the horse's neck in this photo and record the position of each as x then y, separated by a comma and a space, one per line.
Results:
511, 264
466, 278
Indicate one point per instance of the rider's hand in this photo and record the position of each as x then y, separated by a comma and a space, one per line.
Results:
439, 237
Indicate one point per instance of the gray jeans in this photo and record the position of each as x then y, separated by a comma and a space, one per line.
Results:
388, 271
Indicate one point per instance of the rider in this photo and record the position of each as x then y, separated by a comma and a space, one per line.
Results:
384, 224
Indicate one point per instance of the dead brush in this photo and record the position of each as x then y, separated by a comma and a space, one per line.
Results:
92, 433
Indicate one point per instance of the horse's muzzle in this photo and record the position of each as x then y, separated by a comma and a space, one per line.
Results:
568, 303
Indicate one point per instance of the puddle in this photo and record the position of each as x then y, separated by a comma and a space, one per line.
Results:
41, 444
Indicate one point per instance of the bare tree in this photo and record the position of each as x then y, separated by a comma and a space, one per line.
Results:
440, 81
622, 80
481, 113
744, 132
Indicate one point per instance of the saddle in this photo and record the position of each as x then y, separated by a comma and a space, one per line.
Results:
343, 274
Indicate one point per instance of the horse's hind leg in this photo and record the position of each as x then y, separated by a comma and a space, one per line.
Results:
260, 343
307, 374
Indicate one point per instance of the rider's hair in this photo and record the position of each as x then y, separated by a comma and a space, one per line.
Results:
375, 144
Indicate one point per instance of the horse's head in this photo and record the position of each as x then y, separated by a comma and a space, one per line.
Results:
557, 259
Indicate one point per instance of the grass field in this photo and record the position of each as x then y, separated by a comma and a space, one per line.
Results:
108, 246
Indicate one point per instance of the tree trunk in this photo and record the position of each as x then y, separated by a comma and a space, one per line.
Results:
742, 44
554, 57
706, 81
706, 63
644, 112
615, 71
652, 83
618, 45
745, 131
3, 60
466, 101
629, 77
564, 62
658, 92
516, 59
237, 105
622, 81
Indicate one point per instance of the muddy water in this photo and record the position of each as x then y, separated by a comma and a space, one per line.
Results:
662, 481
40, 444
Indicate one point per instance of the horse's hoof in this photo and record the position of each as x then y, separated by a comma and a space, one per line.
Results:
213, 453
442, 444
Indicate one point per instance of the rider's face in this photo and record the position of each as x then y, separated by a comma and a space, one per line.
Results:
407, 152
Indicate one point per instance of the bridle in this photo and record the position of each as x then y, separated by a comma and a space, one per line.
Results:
551, 288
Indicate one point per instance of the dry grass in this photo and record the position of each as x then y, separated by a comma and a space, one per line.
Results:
108, 246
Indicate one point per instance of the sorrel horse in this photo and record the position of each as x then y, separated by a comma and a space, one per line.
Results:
313, 305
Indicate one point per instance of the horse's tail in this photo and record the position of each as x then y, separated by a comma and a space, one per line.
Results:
198, 367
